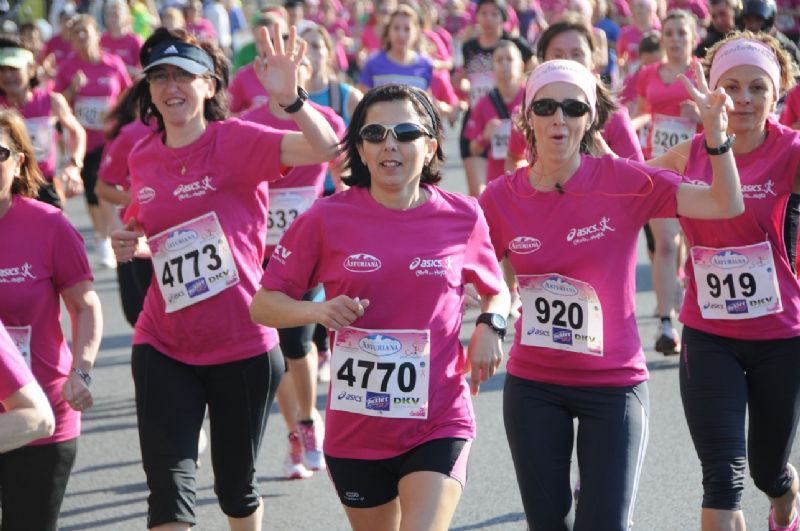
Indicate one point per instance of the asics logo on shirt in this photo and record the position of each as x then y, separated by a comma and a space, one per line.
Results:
592, 232
195, 189
431, 266
524, 245
758, 191
362, 263
16, 274
281, 254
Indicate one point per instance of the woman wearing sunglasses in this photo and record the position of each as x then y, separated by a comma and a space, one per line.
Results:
399, 419
576, 352
199, 193
34, 280
741, 314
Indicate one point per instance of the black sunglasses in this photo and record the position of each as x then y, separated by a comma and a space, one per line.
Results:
571, 108
376, 133
4, 153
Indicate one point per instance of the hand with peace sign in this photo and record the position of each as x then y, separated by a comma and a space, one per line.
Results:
276, 66
713, 106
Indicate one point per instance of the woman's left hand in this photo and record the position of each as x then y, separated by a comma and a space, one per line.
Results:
276, 67
76, 394
484, 355
713, 106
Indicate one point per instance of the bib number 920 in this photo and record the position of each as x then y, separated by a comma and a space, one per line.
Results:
406, 374
174, 267
746, 282
562, 314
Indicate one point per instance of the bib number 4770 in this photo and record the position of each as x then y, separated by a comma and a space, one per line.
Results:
192, 258
406, 374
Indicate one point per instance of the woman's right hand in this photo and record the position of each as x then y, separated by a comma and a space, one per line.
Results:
128, 243
339, 312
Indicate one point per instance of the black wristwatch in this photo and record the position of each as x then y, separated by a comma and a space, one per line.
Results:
85, 376
302, 96
724, 148
496, 321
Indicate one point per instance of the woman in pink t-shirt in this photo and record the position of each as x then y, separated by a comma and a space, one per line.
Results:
119, 37
673, 118
576, 351
741, 314
199, 194
643, 12
34, 281
399, 417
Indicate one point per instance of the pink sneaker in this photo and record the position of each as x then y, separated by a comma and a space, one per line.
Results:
293, 467
793, 526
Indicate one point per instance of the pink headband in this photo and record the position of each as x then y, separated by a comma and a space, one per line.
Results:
562, 70
741, 52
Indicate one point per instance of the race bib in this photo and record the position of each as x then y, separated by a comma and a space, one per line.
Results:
736, 282
91, 112
561, 313
667, 131
500, 140
285, 204
42, 132
192, 262
381, 373
479, 85
21, 336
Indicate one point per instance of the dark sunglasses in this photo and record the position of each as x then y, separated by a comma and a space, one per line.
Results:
571, 108
376, 133
5, 153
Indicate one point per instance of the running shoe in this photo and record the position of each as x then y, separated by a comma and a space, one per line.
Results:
324, 367
311, 436
793, 526
293, 467
667, 339
105, 254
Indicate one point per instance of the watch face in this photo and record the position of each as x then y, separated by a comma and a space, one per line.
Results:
498, 321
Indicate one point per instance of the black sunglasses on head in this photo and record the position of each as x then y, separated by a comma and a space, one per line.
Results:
4, 153
376, 133
571, 108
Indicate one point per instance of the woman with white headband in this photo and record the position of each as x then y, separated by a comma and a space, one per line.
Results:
576, 351
741, 314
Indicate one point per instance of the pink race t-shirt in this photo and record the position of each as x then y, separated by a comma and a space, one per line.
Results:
41, 126
114, 164
223, 171
791, 107
697, 7
14, 373
60, 47
628, 44
359, 248
107, 79
31, 279
484, 111
203, 29
126, 47
588, 233
767, 175
246, 91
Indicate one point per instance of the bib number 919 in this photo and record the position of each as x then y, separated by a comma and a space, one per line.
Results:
192, 258
746, 281
406, 374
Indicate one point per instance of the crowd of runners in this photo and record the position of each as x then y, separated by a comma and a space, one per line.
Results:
265, 182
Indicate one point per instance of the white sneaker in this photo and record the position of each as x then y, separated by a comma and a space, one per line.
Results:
311, 436
293, 467
105, 253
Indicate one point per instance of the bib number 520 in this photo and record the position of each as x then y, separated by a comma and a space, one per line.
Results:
406, 374
192, 258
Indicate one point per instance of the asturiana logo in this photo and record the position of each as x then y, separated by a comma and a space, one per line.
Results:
729, 260
362, 263
559, 286
180, 239
524, 245
380, 345
146, 194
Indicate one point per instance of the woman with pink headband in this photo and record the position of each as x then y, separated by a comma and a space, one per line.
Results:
741, 313
576, 351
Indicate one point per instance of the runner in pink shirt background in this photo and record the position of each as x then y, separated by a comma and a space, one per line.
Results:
576, 352
35, 280
26, 414
119, 37
198, 194
741, 313
399, 418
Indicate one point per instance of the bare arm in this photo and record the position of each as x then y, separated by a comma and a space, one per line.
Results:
28, 417
112, 194
83, 306
278, 310
485, 350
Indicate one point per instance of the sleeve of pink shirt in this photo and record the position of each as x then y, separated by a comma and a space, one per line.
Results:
442, 87
63, 78
257, 148
122, 72
791, 111
517, 146
480, 263
236, 93
292, 268
652, 191
70, 264
488, 204
14, 374
621, 136
114, 163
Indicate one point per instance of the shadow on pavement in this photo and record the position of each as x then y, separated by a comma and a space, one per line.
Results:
504, 519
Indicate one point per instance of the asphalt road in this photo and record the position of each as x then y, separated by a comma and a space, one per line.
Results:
107, 489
